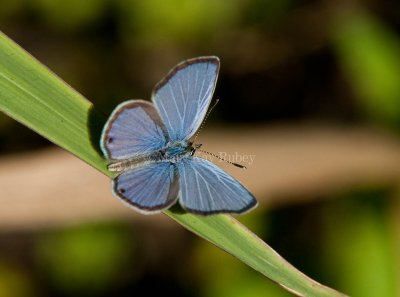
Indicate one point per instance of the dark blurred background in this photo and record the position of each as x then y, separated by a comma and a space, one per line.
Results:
301, 65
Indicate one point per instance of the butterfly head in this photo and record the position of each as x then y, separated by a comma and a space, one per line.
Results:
194, 147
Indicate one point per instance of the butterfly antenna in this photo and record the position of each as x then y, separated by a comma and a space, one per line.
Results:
222, 159
205, 118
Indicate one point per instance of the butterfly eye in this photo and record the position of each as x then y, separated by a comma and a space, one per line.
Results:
162, 153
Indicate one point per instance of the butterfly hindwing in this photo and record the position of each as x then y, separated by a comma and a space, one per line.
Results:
134, 128
150, 188
207, 189
183, 96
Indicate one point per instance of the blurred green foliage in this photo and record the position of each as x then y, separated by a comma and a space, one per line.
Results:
268, 13
359, 243
370, 54
84, 260
14, 282
67, 15
156, 22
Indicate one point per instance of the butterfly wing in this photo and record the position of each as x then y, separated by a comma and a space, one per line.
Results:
149, 188
207, 189
183, 96
134, 128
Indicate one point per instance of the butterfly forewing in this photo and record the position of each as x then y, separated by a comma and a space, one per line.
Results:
183, 96
149, 188
207, 189
134, 128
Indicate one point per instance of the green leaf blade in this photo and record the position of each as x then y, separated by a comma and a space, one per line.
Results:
33, 95
231, 236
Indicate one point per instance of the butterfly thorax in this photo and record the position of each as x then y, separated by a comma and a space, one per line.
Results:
176, 149
173, 152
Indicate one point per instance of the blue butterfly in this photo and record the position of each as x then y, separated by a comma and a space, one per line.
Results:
149, 146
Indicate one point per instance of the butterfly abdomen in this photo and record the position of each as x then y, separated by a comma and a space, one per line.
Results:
136, 161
